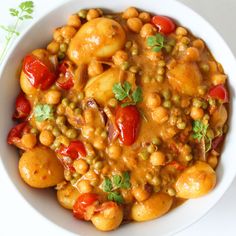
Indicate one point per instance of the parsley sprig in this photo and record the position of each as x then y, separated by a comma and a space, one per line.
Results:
200, 133
43, 112
156, 42
122, 92
111, 186
22, 12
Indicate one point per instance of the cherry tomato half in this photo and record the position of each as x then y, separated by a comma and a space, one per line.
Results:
127, 120
16, 133
83, 201
219, 92
38, 74
23, 107
164, 24
75, 150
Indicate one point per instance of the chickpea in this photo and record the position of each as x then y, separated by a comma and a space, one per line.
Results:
218, 79
84, 186
199, 44
99, 143
160, 115
46, 137
130, 13
68, 32
92, 14
212, 161
157, 158
120, 57
74, 21
53, 97
145, 17
81, 166
135, 24
114, 151
153, 100
95, 68
88, 131
88, 116
192, 54
57, 35
53, 47
140, 193
29, 140
147, 30
197, 113
181, 31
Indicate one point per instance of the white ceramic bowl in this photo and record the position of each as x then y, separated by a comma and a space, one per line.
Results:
44, 201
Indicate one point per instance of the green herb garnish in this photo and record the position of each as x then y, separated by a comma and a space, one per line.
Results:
156, 42
111, 186
200, 133
43, 112
22, 12
122, 92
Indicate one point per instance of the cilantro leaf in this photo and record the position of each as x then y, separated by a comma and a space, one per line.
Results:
120, 92
117, 181
126, 180
137, 95
107, 185
43, 112
116, 197
156, 42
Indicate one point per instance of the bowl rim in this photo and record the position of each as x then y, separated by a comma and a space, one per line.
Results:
57, 7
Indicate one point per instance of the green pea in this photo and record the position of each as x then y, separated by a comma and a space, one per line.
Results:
204, 67
160, 78
124, 66
146, 79
56, 143
83, 13
156, 141
71, 133
76, 175
212, 102
157, 188
63, 129
167, 104
112, 102
156, 181
151, 148
189, 157
33, 131
80, 96
185, 40
104, 134
63, 47
161, 71
161, 63
171, 192
144, 154
134, 51
49, 127
98, 165
206, 117
181, 125
166, 94
77, 111
61, 55
60, 120
197, 103
204, 105
202, 90
134, 69
168, 48
72, 105
128, 44
172, 41
176, 99
149, 176
56, 132
65, 102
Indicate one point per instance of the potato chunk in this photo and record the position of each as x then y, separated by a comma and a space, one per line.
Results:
99, 38
196, 181
40, 168
185, 78
155, 206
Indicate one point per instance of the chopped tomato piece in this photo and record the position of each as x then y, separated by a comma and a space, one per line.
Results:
16, 133
164, 24
176, 165
127, 120
219, 92
38, 74
23, 107
75, 150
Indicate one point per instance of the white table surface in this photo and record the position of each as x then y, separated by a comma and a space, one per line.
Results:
18, 218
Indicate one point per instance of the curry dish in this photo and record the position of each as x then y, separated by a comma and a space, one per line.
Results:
124, 115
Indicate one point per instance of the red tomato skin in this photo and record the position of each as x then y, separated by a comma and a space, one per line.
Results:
177, 165
75, 150
16, 132
127, 120
164, 24
82, 202
219, 92
37, 72
22, 107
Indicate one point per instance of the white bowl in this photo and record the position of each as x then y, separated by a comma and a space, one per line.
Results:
44, 201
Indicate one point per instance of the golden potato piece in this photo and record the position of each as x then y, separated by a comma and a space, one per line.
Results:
67, 196
155, 206
99, 38
108, 219
100, 87
185, 78
40, 168
196, 181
